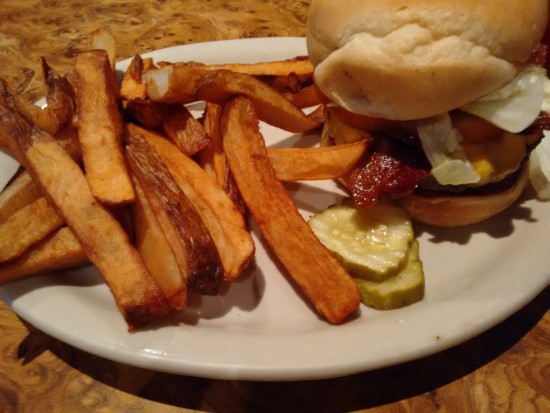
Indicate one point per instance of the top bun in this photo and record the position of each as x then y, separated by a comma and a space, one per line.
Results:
411, 59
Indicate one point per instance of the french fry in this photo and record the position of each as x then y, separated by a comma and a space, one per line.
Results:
104, 40
336, 131
59, 110
270, 105
26, 227
60, 250
222, 217
212, 158
21, 191
174, 83
299, 66
321, 278
100, 128
306, 97
185, 131
156, 252
190, 240
186, 83
106, 244
328, 162
132, 86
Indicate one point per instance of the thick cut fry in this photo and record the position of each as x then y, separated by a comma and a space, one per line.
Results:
222, 217
329, 162
191, 243
308, 96
186, 83
176, 83
26, 227
338, 132
300, 66
212, 158
100, 128
21, 191
60, 107
185, 131
270, 105
106, 244
60, 250
156, 252
323, 281
131, 86
104, 40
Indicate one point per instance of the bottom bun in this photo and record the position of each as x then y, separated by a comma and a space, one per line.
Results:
457, 210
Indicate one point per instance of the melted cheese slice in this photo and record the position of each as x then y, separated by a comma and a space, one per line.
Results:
495, 158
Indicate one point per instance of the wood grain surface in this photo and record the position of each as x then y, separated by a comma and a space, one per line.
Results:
506, 369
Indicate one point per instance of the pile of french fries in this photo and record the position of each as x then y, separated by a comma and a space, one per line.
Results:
124, 177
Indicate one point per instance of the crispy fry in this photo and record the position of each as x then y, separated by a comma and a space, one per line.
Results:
104, 40
339, 132
156, 252
106, 244
185, 131
131, 86
212, 158
175, 83
99, 129
59, 110
323, 281
26, 227
308, 96
328, 162
299, 66
222, 217
58, 251
147, 112
21, 191
270, 105
190, 240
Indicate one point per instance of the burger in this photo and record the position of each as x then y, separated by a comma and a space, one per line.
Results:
452, 94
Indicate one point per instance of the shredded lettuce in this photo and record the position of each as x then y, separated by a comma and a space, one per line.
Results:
539, 168
516, 105
442, 146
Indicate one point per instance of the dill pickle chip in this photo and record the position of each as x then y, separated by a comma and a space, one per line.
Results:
371, 243
400, 290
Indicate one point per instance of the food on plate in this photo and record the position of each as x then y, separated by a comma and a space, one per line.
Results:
372, 244
58, 251
184, 229
21, 191
220, 214
377, 247
328, 287
26, 227
187, 83
130, 179
100, 129
402, 289
103, 239
452, 93
317, 163
156, 252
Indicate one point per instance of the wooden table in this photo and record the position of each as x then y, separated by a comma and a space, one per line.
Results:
504, 369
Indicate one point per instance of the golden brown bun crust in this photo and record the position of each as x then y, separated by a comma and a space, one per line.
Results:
410, 59
454, 211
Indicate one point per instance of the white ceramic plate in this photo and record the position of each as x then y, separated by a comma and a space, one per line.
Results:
261, 328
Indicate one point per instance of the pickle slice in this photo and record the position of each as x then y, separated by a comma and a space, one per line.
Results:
405, 288
371, 243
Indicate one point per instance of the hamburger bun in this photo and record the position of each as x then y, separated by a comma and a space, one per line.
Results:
412, 59
457, 210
